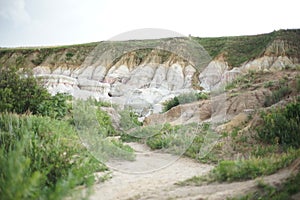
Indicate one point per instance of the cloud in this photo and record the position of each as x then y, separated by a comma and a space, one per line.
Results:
14, 10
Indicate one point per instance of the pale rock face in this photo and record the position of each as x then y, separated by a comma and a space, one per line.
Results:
213, 75
267, 63
62, 71
189, 72
147, 85
217, 74
141, 76
99, 73
87, 73
159, 78
41, 70
175, 77
120, 72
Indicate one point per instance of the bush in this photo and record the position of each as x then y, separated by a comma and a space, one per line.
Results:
20, 94
93, 126
281, 125
183, 99
238, 170
23, 94
41, 158
187, 139
249, 169
170, 104
55, 106
129, 120
277, 95
105, 123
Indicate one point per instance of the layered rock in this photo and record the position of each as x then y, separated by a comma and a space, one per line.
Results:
128, 82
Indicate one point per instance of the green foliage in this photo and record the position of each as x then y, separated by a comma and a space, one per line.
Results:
22, 94
69, 55
298, 84
55, 106
269, 192
281, 125
171, 139
266, 150
41, 158
162, 137
170, 104
237, 49
105, 123
269, 84
17, 180
244, 81
129, 120
238, 170
187, 139
183, 99
93, 126
277, 95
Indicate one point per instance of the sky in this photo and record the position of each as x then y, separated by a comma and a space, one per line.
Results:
61, 22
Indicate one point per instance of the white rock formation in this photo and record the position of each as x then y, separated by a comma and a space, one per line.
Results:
145, 86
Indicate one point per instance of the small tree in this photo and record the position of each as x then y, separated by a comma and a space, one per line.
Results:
20, 93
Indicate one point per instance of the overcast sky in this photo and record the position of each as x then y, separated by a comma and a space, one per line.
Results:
57, 22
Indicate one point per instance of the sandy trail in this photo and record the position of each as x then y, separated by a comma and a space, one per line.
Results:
154, 172
159, 184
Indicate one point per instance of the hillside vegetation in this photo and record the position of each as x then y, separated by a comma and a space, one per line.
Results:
42, 156
235, 50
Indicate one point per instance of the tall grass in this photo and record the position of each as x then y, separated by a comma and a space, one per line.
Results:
42, 158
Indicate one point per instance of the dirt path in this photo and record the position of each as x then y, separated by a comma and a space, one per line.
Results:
159, 184
155, 172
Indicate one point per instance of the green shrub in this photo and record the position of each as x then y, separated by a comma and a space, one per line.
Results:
41, 158
187, 139
269, 84
238, 170
183, 99
93, 126
298, 84
268, 192
22, 93
55, 106
281, 125
277, 95
129, 120
69, 55
170, 104
105, 123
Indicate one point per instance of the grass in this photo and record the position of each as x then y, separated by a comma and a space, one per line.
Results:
42, 158
180, 139
240, 49
277, 95
269, 192
243, 81
93, 127
281, 126
183, 99
235, 50
239, 170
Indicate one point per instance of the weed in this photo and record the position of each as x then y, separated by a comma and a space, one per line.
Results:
281, 125
237, 170
183, 99
277, 95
